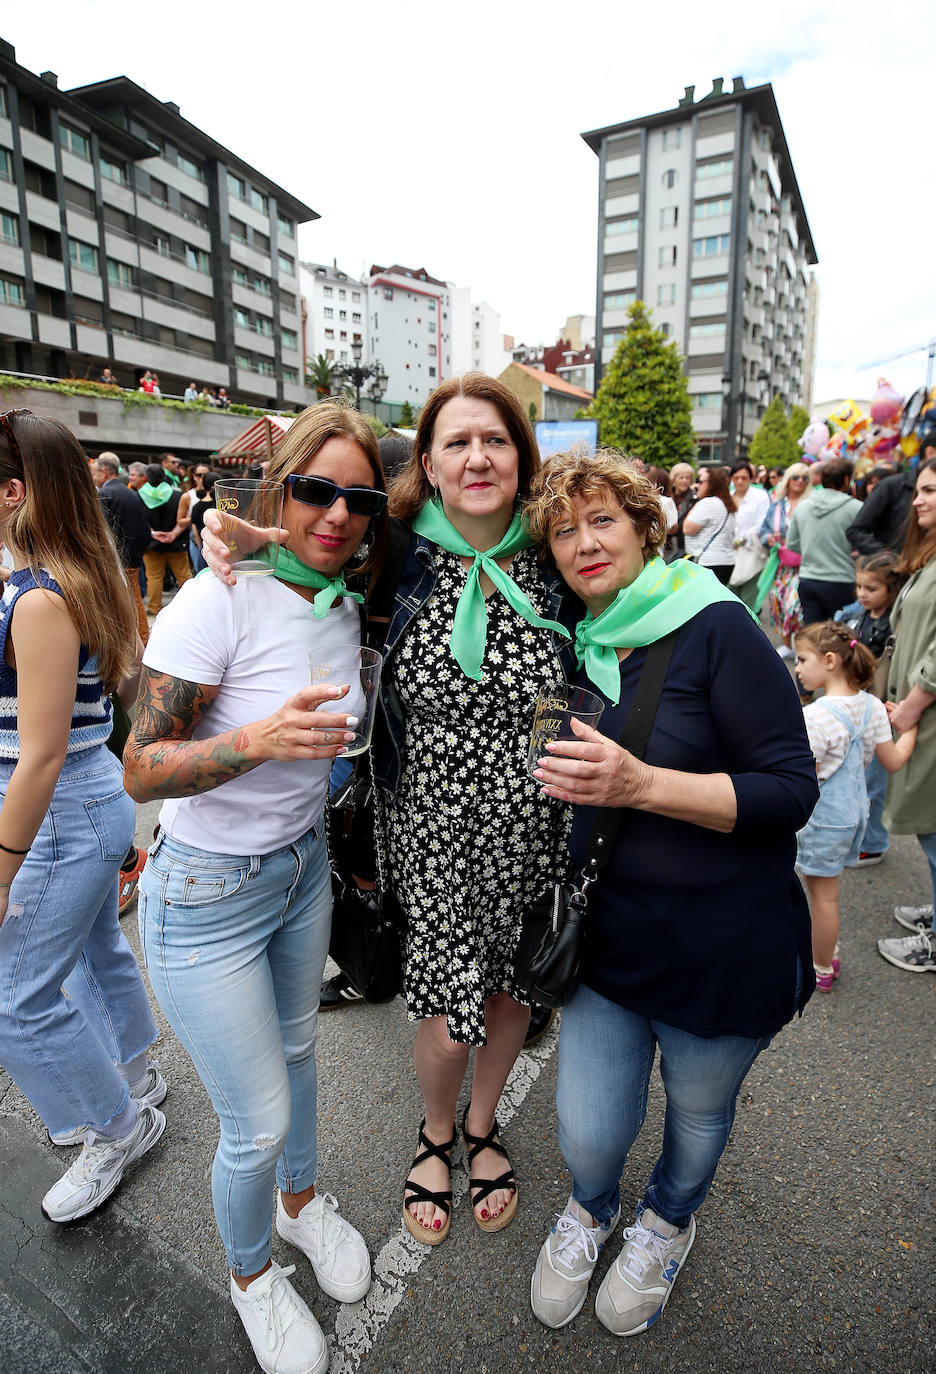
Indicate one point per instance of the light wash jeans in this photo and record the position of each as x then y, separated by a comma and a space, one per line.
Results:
928, 845
605, 1059
876, 840
72, 1001
235, 946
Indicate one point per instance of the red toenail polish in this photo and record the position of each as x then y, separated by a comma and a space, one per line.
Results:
437, 1225
484, 1214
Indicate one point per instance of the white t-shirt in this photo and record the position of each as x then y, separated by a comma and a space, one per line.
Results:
254, 640
710, 513
752, 507
670, 513
828, 738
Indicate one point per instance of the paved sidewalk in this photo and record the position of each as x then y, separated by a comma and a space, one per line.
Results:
814, 1250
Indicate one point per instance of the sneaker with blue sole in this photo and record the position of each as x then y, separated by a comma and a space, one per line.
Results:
565, 1264
637, 1287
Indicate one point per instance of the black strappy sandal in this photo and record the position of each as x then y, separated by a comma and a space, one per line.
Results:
486, 1186
415, 1192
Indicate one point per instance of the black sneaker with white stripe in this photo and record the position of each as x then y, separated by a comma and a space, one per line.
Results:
338, 992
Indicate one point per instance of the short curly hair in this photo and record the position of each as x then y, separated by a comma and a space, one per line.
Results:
607, 475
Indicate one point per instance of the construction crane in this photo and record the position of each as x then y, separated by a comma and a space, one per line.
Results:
928, 348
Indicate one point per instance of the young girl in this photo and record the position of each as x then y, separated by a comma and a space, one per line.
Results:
75, 1023
846, 727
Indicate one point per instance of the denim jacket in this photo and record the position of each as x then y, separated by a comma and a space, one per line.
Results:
416, 585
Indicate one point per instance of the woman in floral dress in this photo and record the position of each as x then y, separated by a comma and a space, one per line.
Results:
783, 601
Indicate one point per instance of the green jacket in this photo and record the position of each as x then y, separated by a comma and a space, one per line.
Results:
817, 531
911, 794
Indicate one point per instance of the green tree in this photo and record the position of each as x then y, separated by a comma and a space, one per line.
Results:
799, 419
407, 419
643, 404
774, 443
319, 376
533, 415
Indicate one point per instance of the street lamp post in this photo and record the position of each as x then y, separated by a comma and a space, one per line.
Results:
357, 373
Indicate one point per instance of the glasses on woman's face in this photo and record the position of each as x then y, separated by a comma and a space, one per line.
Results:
798, 478
321, 491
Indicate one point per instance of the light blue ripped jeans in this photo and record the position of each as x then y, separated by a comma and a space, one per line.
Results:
235, 947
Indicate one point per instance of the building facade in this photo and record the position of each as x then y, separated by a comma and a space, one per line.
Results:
335, 313
544, 395
409, 317
701, 218
131, 239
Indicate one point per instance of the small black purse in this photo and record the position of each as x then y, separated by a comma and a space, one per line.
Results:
549, 951
368, 926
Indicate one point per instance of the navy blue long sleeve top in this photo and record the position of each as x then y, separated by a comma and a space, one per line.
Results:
700, 930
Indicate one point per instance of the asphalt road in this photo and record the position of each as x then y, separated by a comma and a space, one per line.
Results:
814, 1249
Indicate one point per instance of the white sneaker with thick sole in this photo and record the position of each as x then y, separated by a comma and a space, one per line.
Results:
100, 1167
565, 1264
914, 918
636, 1288
149, 1091
285, 1336
336, 1252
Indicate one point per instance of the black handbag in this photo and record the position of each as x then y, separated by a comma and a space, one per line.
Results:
367, 923
549, 951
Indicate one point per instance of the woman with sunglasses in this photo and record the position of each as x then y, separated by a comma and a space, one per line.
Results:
75, 1022
779, 581
235, 901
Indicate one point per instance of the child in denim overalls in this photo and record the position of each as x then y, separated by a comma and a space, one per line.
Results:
846, 727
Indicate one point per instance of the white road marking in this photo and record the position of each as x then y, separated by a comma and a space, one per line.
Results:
359, 1324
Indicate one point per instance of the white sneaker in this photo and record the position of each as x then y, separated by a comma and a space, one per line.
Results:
915, 918
100, 1167
149, 1091
336, 1252
785, 652
565, 1264
636, 1288
285, 1336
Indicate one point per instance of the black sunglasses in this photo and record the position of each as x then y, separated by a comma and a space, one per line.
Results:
321, 491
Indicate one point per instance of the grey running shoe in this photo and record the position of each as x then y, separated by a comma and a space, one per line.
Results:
637, 1286
100, 1167
285, 1336
149, 1091
915, 918
566, 1263
916, 953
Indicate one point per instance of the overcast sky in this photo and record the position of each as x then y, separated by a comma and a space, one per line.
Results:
448, 137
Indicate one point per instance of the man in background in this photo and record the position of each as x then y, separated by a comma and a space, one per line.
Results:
126, 516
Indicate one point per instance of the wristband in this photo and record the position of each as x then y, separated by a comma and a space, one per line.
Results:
18, 852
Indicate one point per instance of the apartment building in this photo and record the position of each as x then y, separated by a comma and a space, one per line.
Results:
477, 336
410, 330
132, 239
701, 217
335, 312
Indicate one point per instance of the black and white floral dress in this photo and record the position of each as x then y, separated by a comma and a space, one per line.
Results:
471, 841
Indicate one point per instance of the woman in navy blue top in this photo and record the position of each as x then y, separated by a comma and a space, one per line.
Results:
698, 936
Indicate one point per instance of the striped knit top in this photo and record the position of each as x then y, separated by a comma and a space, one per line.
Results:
91, 716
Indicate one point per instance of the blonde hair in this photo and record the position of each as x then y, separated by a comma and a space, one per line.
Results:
679, 469
60, 527
607, 476
794, 470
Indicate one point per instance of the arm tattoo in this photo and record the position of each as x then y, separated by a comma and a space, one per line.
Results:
161, 758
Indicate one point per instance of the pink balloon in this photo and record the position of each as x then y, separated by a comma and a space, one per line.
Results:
886, 404
814, 437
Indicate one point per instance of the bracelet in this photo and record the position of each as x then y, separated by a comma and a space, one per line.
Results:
18, 852
10, 884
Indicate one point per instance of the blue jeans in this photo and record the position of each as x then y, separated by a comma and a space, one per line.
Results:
605, 1059
928, 845
876, 839
235, 946
61, 935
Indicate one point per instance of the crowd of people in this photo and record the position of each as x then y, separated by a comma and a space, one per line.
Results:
483, 576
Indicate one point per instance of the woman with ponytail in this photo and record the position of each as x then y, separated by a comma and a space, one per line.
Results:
75, 1023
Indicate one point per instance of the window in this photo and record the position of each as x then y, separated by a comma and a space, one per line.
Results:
343, 333
6, 165
432, 328
763, 139
329, 333
290, 374
265, 366
328, 290
669, 216
235, 186
285, 226
259, 201
720, 168
619, 300
262, 286
670, 178
244, 360
342, 314
197, 259
432, 371
239, 276
241, 317
666, 329
706, 331
3, 102
114, 171
672, 138
666, 255
388, 293
612, 337
238, 230
289, 338
264, 326
287, 265
192, 169
432, 350
356, 298
356, 316
666, 293
707, 400
329, 312
711, 247
260, 241
622, 226
9, 226
330, 354
119, 274
11, 292
342, 294
708, 209
83, 256
162, 245
431, 305
702, 289
79, 144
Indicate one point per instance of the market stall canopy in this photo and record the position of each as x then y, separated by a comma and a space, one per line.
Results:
256, 444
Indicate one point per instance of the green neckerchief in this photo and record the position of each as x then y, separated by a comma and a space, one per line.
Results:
469, 628
155, 496
765, 581
660, 599
289, 568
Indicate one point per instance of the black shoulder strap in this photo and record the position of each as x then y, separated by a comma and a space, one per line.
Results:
635, 736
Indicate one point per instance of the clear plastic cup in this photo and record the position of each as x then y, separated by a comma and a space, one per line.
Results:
250, 510
555, 707
351, 666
